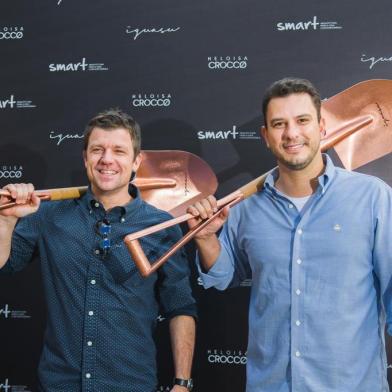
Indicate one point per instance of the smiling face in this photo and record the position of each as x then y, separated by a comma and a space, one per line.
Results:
293, 131
109, 160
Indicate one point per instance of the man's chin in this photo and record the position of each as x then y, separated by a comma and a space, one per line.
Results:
295, 164
105, 188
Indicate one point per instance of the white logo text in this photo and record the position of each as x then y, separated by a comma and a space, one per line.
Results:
138, 32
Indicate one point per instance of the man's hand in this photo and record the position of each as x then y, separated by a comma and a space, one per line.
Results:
204, 209
23, 194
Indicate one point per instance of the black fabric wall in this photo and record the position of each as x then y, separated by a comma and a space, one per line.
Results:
193, 74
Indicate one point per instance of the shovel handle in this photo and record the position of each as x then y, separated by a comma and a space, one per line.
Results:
145, 267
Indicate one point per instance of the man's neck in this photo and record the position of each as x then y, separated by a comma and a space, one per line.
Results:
112, 199
300, 183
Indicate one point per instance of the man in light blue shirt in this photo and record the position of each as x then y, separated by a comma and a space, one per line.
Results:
318, 242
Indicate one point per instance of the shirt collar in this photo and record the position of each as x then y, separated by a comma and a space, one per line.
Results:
324, 179
90, 202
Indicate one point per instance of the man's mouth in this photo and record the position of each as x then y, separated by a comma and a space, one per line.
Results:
106, 172
293, 147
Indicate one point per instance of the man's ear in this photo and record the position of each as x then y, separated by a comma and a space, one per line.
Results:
322, 127
264, 134
136, 163
84, 158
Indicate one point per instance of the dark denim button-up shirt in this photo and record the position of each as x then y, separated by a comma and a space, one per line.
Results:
101, 312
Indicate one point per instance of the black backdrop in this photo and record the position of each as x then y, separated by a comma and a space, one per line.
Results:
192, 73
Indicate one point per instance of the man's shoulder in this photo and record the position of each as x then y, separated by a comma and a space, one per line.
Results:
152, 213
58, 206
363, 179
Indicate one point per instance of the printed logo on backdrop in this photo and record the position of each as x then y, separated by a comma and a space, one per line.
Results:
7, 313
151, 100
60, 137
312, 24
372, 61
227, 62
5, 386
227, 357
80, 66
136, 33
12, 103
228, 134
14, 171
7, 33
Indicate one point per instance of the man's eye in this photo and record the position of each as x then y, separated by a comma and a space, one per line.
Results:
278, 124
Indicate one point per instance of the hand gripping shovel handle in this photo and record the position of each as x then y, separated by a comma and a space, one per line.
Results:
132, 240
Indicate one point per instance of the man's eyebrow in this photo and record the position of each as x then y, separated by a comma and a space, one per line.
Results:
277, 119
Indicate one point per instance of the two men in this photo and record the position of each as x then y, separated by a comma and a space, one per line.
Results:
101, 312
317, 241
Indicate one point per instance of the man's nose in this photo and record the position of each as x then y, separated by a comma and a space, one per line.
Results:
291, 131
107, 156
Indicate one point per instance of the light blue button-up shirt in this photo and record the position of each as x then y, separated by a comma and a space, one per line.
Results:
321, 284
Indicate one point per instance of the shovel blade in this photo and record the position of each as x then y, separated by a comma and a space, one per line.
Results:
194, 179
371, 99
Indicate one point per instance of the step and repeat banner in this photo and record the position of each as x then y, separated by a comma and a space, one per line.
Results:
193, 75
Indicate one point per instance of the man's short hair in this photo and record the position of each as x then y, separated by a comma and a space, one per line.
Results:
288, 86
111, 119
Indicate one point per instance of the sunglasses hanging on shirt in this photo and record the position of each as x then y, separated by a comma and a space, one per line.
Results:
103, 228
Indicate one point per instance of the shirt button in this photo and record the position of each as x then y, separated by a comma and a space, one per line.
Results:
299, 261
291, 206
96, 251
298, 323
297, 354
88, 375
122, 220
299, 231
96, 205
89, 343
92, 281
91, 313
298, 291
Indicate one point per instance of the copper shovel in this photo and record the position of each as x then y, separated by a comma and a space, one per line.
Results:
351, 121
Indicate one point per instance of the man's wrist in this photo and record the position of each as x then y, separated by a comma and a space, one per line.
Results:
184, 382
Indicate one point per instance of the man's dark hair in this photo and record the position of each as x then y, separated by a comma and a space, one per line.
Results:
111, 119
288, 86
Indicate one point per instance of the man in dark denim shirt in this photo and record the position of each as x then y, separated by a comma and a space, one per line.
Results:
101, 312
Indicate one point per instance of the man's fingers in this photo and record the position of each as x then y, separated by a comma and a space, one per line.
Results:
214, 205
193, 210
21, 193
207, 207
202, 211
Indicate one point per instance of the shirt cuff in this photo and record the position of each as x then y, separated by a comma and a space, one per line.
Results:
189, 310
220, 274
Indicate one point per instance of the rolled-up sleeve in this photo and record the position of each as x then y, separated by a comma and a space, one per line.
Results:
175, 292
231, 266
23, 245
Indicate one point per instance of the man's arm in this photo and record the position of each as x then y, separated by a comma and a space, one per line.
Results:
28, 203
206, 240
182, 335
